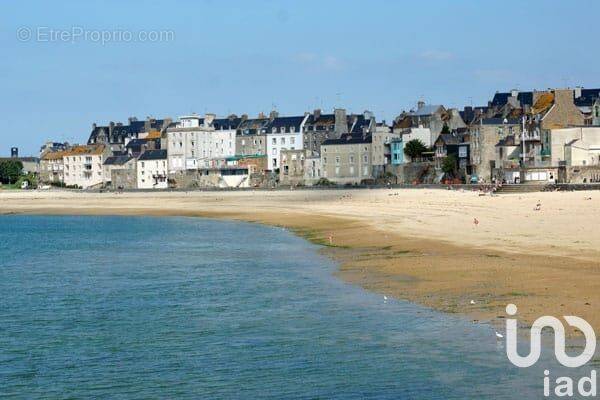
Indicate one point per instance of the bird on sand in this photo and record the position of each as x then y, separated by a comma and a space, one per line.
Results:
499, 335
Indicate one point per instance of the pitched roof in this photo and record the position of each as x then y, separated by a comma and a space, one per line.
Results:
85, 150
285, 122
587, 98
117, 160
500, 99
226, 123
153, 155
349, 139
54, 155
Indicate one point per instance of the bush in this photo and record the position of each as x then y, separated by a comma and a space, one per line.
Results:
324, 182
414, 148
10, 171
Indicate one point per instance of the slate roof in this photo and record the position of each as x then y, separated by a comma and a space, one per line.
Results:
359, 124
349, 139
120, 131
153, 155
117, 160
253, 126
286, 123
587, 98
500, 99
449, 138
226, 123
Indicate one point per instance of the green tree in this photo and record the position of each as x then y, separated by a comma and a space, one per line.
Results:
10, 170
449, 165
445, 129
414, 148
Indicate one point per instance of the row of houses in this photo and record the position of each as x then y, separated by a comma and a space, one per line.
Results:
517, 137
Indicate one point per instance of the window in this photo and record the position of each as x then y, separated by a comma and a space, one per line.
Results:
351, 170
366, 158
282, 140
337, 160
351, 158
292, 140
274, 152
337, 171
274, 141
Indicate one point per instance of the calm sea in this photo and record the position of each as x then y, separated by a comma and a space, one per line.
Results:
140, 307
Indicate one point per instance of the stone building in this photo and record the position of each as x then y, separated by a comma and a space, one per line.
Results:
251, 136
596, 113
116, 135
118, 163
382, 139
292, 171
347, 160
485, 135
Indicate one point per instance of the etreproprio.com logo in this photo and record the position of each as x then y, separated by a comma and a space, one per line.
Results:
563, 386
74, 34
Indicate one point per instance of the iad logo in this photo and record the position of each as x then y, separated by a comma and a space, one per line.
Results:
564, 386
559, 340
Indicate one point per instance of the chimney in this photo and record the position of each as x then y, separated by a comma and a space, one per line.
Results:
244, 117
317, 113
514, 93
341, 121
274, 114
261, 115
420, 104
93, 126
578, 92
208, 119
131, 119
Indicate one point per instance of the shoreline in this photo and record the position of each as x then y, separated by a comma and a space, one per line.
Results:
435, 273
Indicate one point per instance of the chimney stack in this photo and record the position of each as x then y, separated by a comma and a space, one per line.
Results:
341, 121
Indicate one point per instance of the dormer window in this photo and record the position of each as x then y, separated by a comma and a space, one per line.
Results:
273, 130
292, 129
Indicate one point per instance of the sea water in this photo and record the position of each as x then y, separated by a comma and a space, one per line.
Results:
144, 307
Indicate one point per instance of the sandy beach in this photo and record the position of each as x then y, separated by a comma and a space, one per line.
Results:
422, 245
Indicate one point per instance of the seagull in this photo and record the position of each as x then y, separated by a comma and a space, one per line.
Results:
472, 301
385, 298
499, 335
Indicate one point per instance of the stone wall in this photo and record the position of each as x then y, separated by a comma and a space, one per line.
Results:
124, 178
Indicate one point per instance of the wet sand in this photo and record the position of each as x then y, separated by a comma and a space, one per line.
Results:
421, 245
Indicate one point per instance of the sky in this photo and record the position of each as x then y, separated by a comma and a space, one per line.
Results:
68, 64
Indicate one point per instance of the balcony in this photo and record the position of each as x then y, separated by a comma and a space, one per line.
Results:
531, 137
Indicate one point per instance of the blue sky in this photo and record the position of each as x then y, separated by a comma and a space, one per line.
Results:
248, 56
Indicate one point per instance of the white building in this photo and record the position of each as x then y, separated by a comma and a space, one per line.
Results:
152, 170
283, 133
423, 134
578, 146
196, 142
83, 166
